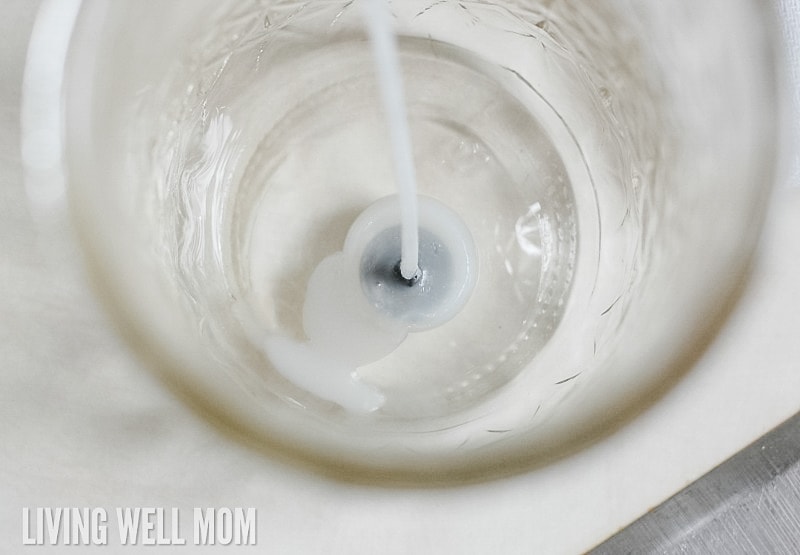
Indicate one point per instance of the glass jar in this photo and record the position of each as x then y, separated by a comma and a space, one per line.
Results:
612, 161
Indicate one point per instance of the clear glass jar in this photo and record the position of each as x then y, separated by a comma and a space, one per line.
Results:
612, 161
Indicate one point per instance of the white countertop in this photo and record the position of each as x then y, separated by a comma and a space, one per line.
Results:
82, 424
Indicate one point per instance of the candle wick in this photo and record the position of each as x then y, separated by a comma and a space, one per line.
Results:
387, 61
410, 282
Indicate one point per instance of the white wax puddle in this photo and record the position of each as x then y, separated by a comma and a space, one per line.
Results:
342, 336
343, 333
357, 308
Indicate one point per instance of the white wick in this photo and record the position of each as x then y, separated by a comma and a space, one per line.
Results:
384, 47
